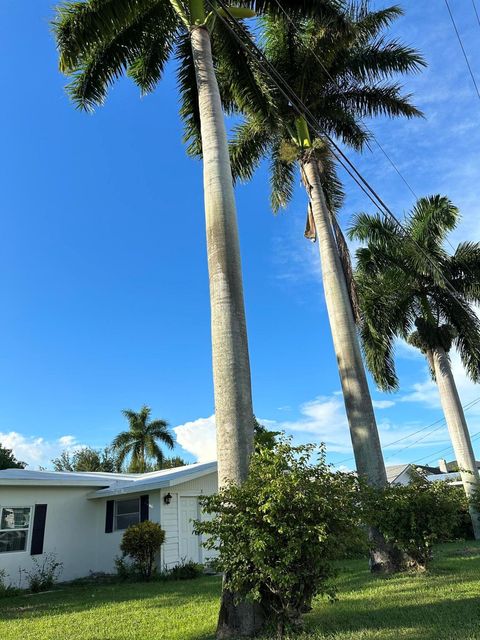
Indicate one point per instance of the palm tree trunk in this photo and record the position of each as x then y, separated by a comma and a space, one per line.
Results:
358, 403
457, 428
231, 367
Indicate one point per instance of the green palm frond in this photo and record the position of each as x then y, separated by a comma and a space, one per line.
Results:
107, 60
464, 270
249, 145
81, 26
329, 11
241, 86
154, 451
372, 100
370, 23
431, 220
187, 87
404, 287
376, 61
282, 175
123, 439
156, 44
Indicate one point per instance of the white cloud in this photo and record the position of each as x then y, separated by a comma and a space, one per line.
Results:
36, 451
383, 404
407, 351
426, 392
198, 438
323, 418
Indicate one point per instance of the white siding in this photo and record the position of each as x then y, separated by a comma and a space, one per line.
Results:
75, 526
170, 517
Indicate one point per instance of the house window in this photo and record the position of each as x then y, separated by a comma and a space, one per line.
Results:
14, 526
127, 512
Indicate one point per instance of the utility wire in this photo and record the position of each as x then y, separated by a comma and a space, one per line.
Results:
374, 138
297, 104
337, 84
476, 12
475, 436
462, 47
465, 407
411, 444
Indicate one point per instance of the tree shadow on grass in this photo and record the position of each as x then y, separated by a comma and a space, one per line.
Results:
88, 597
442, 620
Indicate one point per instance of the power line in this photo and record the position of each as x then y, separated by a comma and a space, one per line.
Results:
375, 139
408, 446
442, 420
314, 53
476, 12
297, 104
462, 47
475, 436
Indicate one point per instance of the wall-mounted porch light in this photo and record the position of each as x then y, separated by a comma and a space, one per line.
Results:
167, 498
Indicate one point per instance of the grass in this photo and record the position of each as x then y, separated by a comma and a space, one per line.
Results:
441, 605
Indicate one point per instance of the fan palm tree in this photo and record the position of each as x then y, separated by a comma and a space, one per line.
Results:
101, 40
340, 77
140, 442
410, 287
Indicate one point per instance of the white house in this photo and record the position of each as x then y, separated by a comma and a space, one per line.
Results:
81, 516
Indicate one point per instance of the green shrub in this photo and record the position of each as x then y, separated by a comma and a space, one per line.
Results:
184, 570
141, 542
44, 574
277, 533
125, 570
416, 516
6, 591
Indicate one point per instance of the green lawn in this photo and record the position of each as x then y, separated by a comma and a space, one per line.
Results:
441, 605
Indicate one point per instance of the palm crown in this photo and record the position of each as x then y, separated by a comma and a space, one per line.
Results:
140, 442
341, 76
101, 40
410, 287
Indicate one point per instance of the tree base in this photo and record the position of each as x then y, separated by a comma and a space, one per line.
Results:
384, 557
238, 620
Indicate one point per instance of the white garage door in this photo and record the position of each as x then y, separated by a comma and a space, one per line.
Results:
189, 542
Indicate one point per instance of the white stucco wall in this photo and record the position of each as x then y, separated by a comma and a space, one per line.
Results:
75, 526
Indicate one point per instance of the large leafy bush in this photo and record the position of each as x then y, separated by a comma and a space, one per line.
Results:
142, 542
278, 532
415, 516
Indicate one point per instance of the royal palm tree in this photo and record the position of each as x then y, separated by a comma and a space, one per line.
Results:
410, 287
101, 40
340, 78
140, 442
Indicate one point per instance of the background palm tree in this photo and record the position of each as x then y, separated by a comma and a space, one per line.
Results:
340, 77
140, 442
410, 287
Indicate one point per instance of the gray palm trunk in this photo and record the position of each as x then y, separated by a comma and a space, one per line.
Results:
457, 428
231, 366
356, 394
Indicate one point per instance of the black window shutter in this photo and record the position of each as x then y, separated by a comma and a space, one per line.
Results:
38, 530
144, 508
109, 516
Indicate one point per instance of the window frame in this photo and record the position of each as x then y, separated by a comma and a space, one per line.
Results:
27, 529
116, 514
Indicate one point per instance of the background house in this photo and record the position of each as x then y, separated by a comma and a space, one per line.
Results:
401, 473
81, 516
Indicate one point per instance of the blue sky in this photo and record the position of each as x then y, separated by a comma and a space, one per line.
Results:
103, 279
